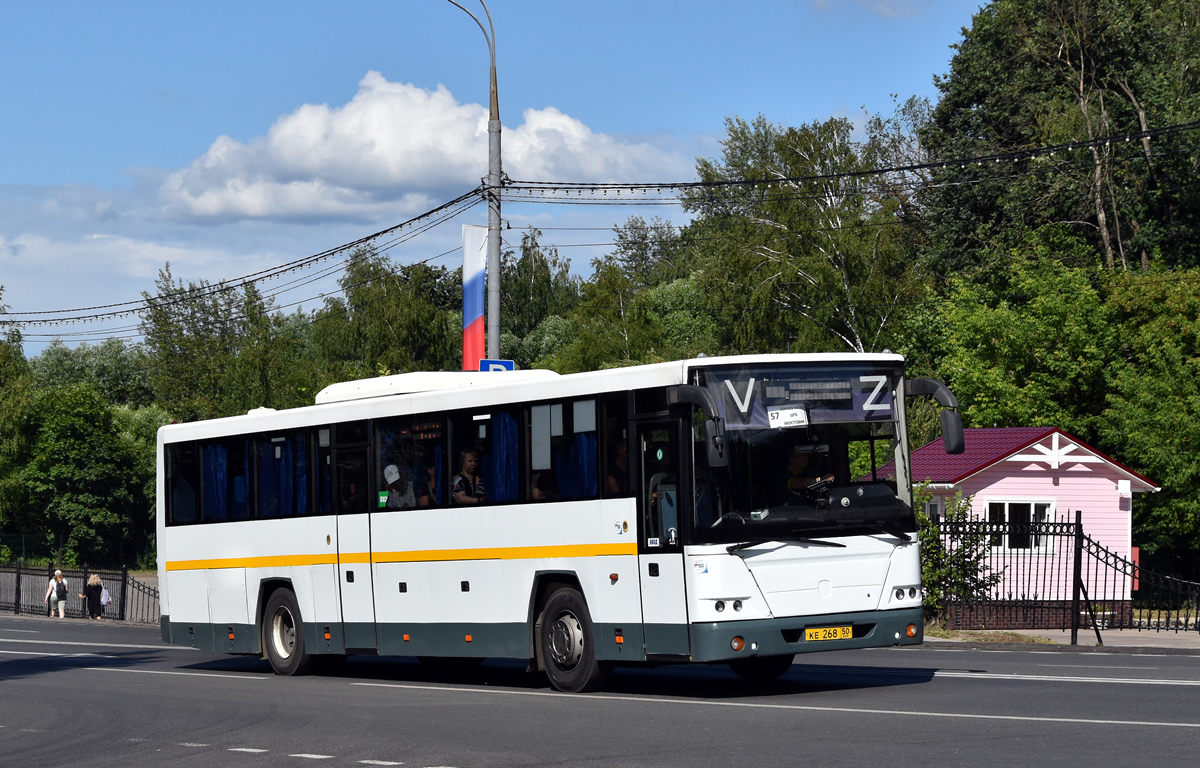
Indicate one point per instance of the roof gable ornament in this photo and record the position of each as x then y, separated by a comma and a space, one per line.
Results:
1059, 453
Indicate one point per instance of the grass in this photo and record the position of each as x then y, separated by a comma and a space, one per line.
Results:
984, 636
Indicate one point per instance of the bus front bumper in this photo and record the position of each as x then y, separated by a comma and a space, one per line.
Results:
716, 641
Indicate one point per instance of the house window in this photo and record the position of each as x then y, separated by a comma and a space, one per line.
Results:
933, 510
1020, 524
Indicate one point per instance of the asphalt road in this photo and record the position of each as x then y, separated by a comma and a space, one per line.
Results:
104, 694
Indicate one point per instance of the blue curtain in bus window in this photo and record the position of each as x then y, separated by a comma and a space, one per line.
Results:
564, 475
505, 446
216, 503
268, 480
585, 462
300, 476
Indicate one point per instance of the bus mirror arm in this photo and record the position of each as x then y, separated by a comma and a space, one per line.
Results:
714, 425
952, 428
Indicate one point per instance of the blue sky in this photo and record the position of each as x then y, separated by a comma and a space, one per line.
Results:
229, 137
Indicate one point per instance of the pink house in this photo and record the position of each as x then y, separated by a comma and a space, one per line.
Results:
1023, 475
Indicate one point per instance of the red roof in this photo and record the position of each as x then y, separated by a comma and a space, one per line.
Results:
983, 447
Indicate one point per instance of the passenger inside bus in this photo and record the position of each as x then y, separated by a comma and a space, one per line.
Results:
618, 468
467, 486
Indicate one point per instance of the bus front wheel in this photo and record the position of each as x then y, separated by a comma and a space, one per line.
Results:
567, 646
283, 633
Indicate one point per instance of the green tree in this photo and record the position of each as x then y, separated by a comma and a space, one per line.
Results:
390, 319
1034, 349
1152, 422
1034, 72
83, 479
118, 370
819, 254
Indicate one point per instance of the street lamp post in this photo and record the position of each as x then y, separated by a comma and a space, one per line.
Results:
493, 191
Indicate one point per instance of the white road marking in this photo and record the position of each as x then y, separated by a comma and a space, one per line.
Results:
1090, 666
1062, 678
131, 646
313, 757
60, 655
794, 707
190, 744
27, 631
246, 749
378, 762
164, 672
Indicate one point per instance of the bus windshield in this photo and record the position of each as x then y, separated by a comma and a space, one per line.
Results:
804, 444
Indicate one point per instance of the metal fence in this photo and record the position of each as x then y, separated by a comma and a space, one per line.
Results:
1052, 575
24, 589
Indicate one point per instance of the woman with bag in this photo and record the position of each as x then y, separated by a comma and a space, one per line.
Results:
56, 595
92, 592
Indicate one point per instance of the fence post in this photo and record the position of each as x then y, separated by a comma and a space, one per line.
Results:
49, 578
124, 592
17, 601
1078, 577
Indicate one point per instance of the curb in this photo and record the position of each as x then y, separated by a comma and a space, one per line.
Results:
1137, 650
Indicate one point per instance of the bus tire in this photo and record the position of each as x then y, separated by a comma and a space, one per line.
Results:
762, 669
566, 641
283, 635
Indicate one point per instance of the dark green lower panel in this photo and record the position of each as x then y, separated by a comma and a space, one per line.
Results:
776, 637
667, 639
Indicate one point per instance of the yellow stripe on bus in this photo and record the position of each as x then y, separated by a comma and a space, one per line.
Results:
507, 553
268, 561
417, 556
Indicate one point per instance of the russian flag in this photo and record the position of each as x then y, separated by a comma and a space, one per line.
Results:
474, 283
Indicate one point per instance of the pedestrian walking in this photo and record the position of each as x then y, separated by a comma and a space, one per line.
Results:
56, 595
92, 592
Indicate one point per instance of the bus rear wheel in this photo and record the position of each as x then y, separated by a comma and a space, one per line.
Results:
283, 634
567, 646
761, 669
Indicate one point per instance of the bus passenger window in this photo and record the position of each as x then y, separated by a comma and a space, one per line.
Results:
408, 458
183, 482
616, 441
226, 479
486, 451
322, 472
563, 451
282, 476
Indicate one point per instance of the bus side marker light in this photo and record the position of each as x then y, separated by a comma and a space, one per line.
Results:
231, 633
406, 638
468, 638
737, 643
911, 631
612, 578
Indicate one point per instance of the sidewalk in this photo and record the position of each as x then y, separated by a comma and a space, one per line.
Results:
1121, 638
1114, 641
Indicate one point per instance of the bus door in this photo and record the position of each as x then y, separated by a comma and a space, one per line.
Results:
354, 545
660, 549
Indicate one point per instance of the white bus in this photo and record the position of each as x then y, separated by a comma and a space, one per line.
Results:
723, 509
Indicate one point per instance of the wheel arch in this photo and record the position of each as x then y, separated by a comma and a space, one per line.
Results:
267, 587
546, 583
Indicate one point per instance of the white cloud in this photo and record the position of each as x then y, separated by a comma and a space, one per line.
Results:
393, 149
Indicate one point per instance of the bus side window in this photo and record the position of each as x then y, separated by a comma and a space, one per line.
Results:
563, 451
408, 459
183, 483
226, 479
493, 436
322, 471
615, 440
282, 475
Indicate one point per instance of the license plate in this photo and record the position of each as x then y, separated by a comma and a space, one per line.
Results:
828, 633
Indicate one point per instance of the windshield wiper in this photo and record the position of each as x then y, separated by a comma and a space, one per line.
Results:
792, 539
889, 530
